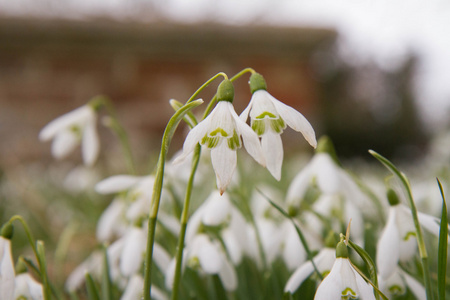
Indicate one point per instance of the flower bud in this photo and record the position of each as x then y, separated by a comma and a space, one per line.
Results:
257, 82
341, 250
392, 197
225, 91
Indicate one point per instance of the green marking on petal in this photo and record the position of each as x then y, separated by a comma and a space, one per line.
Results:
259, 126
278, 125
396, 290
212, 139
219, 131
234, 142
266, 114
408, 235
75, 129
348, 293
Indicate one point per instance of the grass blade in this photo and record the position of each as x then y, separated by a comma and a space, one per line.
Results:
443, 244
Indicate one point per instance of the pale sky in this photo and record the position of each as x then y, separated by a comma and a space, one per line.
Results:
380, 30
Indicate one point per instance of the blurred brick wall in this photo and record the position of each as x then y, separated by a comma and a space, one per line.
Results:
50, 67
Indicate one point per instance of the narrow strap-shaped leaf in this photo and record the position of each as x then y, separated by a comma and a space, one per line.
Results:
40, 251
106, 285
91, 288
443, 244
420, 241
370, 265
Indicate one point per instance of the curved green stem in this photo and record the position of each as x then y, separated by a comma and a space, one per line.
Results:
214, 99
38, 252
157, 188
113, 123
184, 220
420, 241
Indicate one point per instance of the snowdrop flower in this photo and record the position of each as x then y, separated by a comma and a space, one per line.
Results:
395, 243
70, 129
269, 117
210, 258
215, 211
397, 284
28, 288
7, 273
323, 260
343, 281
221, 132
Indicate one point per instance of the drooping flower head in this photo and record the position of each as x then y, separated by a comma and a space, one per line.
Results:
68, 130
221, 132
343, 281
268, 118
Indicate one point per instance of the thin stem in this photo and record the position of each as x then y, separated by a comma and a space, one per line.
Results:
157, 188
214, 99
43, 266
184, 220
113, 123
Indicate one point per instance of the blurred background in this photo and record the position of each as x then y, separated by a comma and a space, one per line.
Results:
370, 74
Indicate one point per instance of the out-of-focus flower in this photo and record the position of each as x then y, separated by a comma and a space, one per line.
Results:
28, 288
398, 283
269, 117
70, 129
343, 281
324, 262
7, 274
221, 132
396, 242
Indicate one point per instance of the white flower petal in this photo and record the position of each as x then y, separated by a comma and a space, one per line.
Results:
328, 173
228, 276
296, 121
388, 244
273, 153
193, 138
232, 245
161, 257
209, 258
299, 185
117, 183
90, 145
293, 252
331, 286
134, 288
109, 221
7, 273
365, 290
224, 163
27, 287
217, 209
250, 138
244, 115
64, 143
133, 251
430, 223
63, 122
417, 288
297, 278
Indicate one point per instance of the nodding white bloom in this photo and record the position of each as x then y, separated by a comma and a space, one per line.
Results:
221, 132
398, 283
343, 281
138, 192
209, 257
269, 117
396, 242
217, 211
324, 262
92, 265
70, 129
7, 273
28, 288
